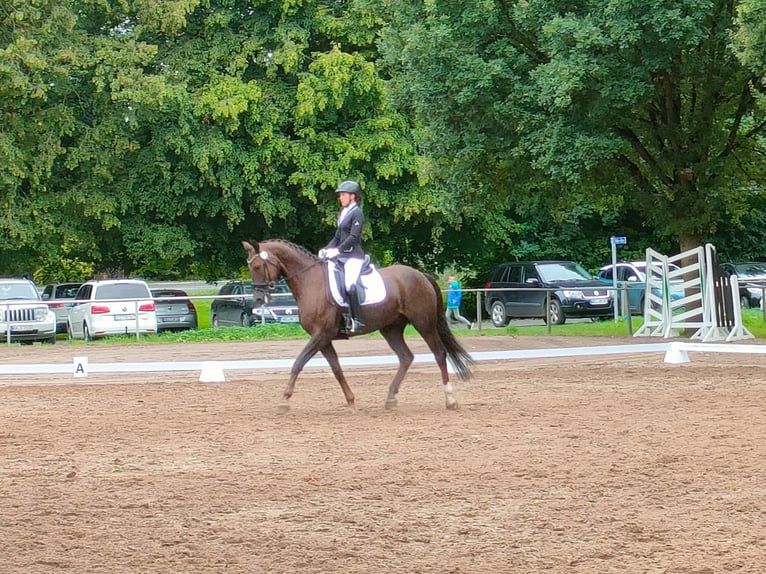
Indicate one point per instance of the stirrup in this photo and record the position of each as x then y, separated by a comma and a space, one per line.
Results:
354, 325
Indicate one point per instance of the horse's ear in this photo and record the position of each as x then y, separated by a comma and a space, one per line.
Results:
250, 245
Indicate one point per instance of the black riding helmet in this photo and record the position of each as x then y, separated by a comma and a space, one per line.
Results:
350, 187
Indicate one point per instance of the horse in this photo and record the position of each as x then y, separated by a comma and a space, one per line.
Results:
412, 297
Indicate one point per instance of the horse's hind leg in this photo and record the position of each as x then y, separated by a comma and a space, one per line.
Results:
332, 358
431, 337
394, 335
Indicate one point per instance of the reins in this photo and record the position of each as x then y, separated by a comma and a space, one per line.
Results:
268, 261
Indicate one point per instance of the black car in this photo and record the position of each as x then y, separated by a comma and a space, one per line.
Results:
174, 312
518, 290
237, 307
752, 281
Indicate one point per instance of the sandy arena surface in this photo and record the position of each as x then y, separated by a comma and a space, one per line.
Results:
601, 464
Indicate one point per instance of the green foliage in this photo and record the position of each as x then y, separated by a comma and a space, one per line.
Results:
607, 103
159, 134
152, 136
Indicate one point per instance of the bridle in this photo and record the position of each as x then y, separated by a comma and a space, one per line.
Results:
268, 286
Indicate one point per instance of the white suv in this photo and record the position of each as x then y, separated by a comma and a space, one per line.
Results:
23, 315
112, 307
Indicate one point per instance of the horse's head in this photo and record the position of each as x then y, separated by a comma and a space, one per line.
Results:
264, 271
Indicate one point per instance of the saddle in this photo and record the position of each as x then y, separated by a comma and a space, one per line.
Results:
369, 285
339, 274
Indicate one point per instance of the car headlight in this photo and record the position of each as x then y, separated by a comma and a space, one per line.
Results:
41, 314
574, 294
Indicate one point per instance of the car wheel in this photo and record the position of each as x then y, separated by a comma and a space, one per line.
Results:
744, 302
49, 340
555, 313
86, 332
641, 304
214, 322
244, 321
497, 314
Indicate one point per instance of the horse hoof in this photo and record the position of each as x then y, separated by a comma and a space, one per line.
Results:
283, 409
391, 404
452, 405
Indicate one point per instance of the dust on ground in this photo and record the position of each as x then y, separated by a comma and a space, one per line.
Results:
590, 465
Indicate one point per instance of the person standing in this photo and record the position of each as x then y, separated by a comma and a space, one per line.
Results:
346, 245
454, 298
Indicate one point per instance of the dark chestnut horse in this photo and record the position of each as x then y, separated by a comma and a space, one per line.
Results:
411, 297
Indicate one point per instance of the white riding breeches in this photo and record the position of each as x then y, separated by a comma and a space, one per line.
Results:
351, 269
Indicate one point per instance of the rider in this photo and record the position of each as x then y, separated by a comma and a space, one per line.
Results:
346, 244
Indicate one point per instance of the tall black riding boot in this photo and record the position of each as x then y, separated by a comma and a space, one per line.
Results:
355, 309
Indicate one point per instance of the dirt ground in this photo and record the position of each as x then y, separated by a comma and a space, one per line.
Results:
600, 464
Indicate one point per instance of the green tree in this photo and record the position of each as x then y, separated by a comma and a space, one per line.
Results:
604, 107
187, 126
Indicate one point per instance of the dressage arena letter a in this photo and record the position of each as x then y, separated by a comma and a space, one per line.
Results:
80, 367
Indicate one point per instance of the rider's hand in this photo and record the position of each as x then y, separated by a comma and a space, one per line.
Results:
322, 254
331, 253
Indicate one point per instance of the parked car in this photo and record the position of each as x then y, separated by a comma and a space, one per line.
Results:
634, 274
112, 307
174, 313
518, 290
237, 308
59, 297
752, 280
280, 307
23, 314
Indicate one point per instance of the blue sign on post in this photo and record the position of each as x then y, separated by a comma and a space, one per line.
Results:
616, 240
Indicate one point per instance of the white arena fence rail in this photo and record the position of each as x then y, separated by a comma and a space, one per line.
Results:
675, 352
132, 302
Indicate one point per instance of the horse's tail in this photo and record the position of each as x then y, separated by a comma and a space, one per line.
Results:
457, 355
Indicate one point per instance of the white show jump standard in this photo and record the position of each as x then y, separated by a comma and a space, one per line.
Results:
675, 352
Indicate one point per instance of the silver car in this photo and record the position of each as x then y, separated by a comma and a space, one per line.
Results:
174, 311
24, 317
60, 297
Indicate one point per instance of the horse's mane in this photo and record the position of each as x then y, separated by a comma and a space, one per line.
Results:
294, 246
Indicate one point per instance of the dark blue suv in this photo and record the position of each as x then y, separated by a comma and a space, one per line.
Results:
518, 290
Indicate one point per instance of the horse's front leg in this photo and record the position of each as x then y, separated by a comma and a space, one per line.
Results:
332, 358
304, 357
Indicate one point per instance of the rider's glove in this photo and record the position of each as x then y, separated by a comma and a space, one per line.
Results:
331, 253
322, 254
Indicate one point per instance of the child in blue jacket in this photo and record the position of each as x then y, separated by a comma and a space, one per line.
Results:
454, 297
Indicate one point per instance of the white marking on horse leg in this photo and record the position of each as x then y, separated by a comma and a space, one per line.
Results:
451, 400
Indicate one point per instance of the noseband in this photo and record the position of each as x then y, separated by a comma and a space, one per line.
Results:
266, 286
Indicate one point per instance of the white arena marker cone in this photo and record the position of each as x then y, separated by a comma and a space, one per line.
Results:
212, 372
676, 355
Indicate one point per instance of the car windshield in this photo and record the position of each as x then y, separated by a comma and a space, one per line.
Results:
562, 271
279, 295
120, 291
18, 291
66, 291
750, 270
640, 267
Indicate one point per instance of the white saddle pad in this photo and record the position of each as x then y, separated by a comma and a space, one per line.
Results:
374, 289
